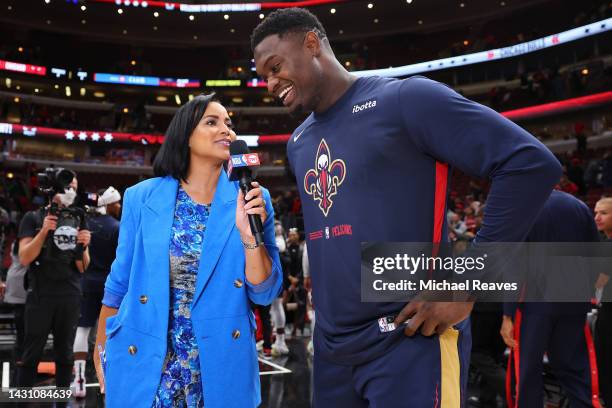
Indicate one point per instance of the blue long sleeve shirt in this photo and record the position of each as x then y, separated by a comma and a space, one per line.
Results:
564, 218
368, 168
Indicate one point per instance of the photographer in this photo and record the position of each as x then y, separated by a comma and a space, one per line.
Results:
104, 226
53, 244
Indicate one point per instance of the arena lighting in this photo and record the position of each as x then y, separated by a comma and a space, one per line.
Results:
96, 136
99, 94
8, 82
82, 91
257, 83
254, 140
223, 82
161, 98
146, 80
467, 59
219, 8
23, 68
561, 106
494, 54
68, 91
9, 175
177, 99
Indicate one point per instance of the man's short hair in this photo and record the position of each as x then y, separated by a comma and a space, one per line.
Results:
605, 201
287, 21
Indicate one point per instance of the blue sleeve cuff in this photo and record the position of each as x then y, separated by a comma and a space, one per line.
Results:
266, 284
111, 299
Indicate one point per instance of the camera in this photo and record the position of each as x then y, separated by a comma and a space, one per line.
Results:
54, 181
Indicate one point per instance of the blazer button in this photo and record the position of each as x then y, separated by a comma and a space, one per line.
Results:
238, 283
236, 334
143, 299
132, 349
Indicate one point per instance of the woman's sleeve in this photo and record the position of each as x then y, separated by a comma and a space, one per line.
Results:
117, 281
265, 292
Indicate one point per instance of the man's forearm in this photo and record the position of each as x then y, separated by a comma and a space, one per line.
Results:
28, 252
84, 263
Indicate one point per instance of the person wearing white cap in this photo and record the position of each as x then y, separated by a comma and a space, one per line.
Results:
104, 226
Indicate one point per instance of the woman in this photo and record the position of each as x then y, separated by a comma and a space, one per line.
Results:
176, 327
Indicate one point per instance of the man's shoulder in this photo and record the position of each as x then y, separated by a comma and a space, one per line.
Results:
111, 221
33, 216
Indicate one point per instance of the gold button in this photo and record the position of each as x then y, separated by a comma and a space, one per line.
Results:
236, 334
132, 349
238, 283
143, 299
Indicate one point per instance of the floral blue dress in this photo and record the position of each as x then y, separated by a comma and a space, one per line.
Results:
180, 384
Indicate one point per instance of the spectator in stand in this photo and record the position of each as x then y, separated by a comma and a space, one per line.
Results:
606, 170
296, 292
457, 228
575, 173
567, 186
470, 220
581, 140
277, 310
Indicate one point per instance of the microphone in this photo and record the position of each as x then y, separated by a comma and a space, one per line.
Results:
240, 168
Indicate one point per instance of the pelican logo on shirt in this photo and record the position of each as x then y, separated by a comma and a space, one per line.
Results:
362, 106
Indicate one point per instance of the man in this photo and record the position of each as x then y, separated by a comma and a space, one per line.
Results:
296, 294
369, 147
48, 245
558, 329
104, 239
603, 328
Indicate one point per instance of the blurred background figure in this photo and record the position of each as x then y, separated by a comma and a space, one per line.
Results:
104, 227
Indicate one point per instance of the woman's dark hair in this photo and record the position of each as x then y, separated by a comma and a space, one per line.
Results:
173, 157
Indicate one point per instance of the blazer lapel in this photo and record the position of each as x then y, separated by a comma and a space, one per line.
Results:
157, 216
221, 222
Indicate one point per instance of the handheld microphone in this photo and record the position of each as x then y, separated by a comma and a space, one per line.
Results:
240, 168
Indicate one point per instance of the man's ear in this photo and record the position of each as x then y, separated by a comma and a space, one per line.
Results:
312, 42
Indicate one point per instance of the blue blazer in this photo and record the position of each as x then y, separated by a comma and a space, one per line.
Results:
221, 314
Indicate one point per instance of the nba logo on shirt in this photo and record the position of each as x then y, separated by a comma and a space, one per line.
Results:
326, 232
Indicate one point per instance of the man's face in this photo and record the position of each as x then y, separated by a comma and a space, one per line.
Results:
292, 71
114, 210
294, 237
603, 217
74, 185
